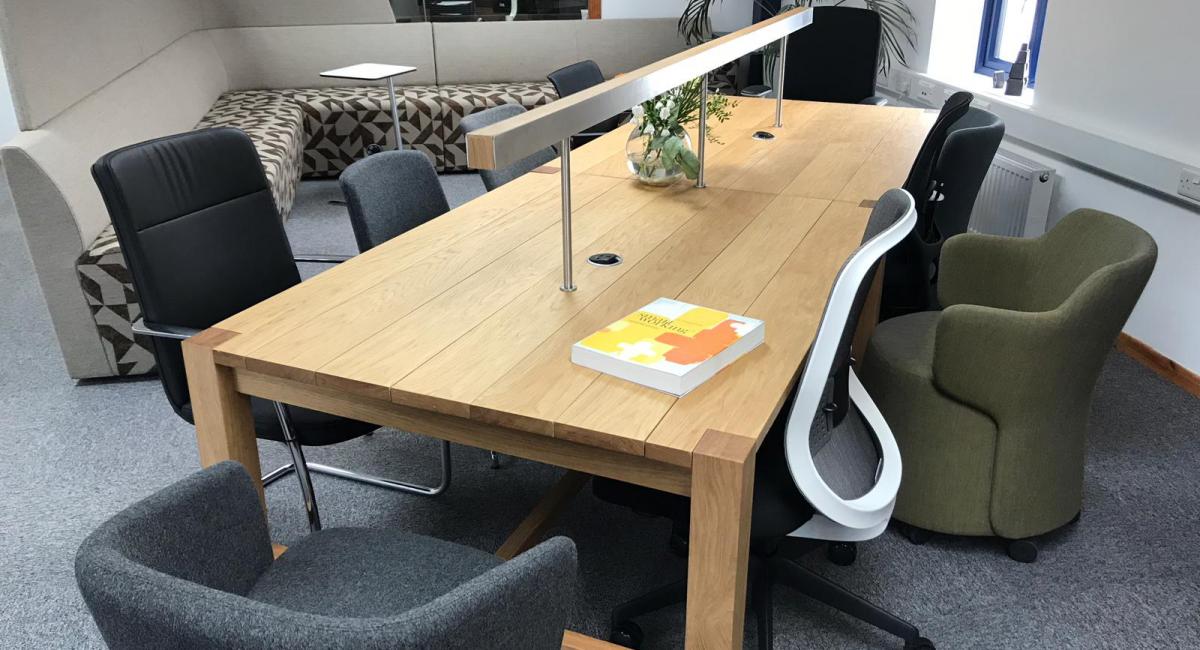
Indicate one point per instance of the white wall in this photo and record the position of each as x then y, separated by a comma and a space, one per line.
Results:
1129, 72
1115, 115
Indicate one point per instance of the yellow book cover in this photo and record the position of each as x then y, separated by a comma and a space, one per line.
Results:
669, 345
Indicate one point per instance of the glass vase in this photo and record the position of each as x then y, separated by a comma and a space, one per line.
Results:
646, 161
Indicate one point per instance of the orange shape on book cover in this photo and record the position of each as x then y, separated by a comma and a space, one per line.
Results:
701, 347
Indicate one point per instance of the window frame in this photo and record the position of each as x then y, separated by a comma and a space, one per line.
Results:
986, 61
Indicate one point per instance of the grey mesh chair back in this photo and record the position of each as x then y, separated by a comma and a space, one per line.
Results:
390, 193
854, 488
180, 568
493, 178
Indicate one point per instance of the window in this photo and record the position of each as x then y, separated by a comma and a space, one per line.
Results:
1008, 24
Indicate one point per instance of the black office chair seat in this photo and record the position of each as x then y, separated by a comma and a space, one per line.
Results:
313, 428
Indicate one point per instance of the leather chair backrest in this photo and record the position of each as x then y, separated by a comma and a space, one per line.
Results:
836, 58
200, 233
493, 178
390, 193
581, 76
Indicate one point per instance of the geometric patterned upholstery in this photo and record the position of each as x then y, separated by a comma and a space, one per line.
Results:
108, 289
274, 122
309, 133
341, 122
461, 100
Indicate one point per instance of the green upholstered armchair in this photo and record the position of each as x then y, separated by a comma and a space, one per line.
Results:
989, 398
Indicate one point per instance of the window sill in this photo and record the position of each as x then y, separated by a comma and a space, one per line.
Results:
981, 86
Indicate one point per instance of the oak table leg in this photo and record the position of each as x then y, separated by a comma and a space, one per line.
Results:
719, 546
224, 425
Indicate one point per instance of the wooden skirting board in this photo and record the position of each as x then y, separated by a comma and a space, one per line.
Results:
1154, 360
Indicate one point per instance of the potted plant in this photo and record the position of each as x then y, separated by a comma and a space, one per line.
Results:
898, 37
659, 149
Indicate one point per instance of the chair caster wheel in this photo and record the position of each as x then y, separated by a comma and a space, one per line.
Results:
917, 536
627, 634
919, 643
1022, 550
842, 553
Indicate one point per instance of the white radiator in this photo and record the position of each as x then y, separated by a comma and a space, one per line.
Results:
1014, 199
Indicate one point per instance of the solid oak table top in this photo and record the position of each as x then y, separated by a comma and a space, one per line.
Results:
463, 316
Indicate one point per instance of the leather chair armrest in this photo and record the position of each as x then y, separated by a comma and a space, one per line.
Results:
158, 330
321, 259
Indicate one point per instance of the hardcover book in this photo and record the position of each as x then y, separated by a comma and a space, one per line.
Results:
669, 345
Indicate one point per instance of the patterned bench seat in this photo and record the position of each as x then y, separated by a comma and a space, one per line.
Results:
300, 133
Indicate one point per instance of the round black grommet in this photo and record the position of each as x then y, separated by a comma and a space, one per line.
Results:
763, 135
605, 259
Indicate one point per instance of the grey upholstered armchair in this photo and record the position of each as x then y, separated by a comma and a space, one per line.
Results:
191, 567
989, 398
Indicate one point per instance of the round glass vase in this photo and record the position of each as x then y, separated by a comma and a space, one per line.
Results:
645, 160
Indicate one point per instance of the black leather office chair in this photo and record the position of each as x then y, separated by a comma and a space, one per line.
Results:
196, 222
828, 470
836, 58
581, 76
945, 180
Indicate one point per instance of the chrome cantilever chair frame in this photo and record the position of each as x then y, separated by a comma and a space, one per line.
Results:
298, 464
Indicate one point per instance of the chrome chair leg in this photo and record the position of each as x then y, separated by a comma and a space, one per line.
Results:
495, 459
301, 468
275, 475
391, 484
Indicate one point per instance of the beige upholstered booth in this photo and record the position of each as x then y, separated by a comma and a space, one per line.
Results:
140, 69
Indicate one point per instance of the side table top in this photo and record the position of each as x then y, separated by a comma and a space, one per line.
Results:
369, 71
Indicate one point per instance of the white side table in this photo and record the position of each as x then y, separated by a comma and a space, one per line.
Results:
375, 72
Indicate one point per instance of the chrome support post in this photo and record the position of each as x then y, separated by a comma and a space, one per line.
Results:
306, 486
780, 65
703, 128
395, 112
568, 275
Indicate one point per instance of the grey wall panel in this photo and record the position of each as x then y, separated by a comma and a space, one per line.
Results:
59, 51
291, 57
270, 13
529, 50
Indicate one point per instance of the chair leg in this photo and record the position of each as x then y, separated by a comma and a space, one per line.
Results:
495, 459
275, 475
298, 464
651, 601
834, 595
763, 605
391, 484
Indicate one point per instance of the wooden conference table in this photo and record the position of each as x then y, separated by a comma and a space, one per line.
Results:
458, 330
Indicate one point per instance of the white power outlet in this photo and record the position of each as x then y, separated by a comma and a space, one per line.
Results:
1189, 184
924, 91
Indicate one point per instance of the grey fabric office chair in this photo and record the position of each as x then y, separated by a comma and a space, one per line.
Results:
390, 193
493, 178
191, 567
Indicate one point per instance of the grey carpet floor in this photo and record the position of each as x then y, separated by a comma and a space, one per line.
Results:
74, 453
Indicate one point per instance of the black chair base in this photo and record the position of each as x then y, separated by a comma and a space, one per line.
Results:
765, 573
1023, 550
